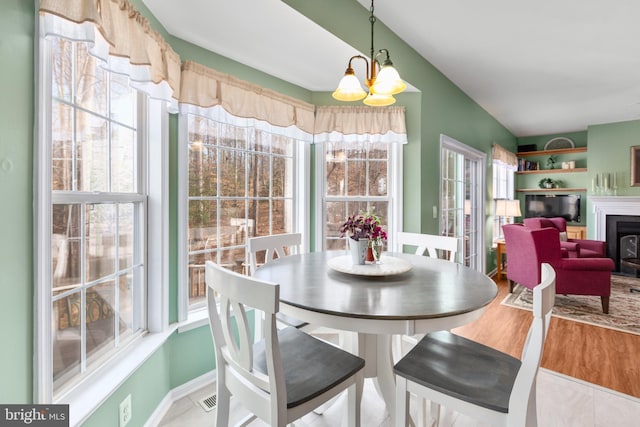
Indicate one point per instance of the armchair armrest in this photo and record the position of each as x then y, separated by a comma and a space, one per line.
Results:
592, 245
599, 264
570, 247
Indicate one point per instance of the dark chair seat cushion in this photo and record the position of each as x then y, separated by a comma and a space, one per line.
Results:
461, 368
311, 366
290, 321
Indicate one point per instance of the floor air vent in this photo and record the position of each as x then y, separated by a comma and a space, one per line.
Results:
209, 402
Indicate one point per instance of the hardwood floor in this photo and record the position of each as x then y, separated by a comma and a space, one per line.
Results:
597, 355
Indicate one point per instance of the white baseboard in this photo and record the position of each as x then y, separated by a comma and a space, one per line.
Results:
177, 393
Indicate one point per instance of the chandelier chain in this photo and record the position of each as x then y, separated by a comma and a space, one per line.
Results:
372, 19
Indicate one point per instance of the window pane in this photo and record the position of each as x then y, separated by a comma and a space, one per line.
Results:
62, 69
378, 178
232, 169
91, 82
123, 159
93, 153
282, 177
232, 136
235, 226
234, 260
100, 320
282, 145
123, 101
357, 178
100, 240
66, 339
282, 216
126, 223
259, 175
203, 222
66, 256
125, 306
203, 170
260, 210
335, 172
61, 147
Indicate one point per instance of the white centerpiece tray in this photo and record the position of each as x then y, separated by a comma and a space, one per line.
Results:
388, 266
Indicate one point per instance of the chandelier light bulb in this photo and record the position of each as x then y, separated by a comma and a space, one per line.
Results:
349, 88
379, 100
388, 80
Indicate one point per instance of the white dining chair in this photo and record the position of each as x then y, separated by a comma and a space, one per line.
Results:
476, 380
275, 246
435, 246
430, 243
282, 377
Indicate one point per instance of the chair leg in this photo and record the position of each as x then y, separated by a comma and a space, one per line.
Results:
402, 402
222, 405
511, 286
434, 414
354, 401
605, 305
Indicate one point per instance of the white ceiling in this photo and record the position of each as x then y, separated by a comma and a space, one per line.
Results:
539, 68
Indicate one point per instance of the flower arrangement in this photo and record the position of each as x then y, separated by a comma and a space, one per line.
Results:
364, 225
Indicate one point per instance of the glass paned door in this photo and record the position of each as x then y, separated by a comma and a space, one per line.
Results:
461, 199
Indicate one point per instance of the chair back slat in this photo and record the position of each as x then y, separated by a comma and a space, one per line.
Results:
275, 246
430, 243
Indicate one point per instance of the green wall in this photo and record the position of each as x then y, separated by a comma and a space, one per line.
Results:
16, 192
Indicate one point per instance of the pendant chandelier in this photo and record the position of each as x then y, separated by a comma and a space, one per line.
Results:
382, 84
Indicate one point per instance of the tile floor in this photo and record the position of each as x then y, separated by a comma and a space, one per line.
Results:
562, 402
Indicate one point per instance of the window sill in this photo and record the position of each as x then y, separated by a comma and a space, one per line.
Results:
89, 395
195, 319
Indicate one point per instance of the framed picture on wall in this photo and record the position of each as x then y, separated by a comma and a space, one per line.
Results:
635, 166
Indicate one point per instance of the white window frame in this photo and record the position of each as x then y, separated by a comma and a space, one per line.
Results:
393, 197
196, 315
100, 382
503, 187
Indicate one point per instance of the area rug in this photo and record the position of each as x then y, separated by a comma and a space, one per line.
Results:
624, 306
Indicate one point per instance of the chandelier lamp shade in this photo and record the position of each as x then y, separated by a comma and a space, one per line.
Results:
382, 80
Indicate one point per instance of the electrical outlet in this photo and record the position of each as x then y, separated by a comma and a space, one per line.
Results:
125, 411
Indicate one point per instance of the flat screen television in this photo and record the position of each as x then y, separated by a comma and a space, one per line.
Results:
549, 206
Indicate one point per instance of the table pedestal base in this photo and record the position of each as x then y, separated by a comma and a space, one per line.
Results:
376, 351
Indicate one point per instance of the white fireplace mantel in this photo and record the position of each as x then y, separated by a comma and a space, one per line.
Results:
612, 205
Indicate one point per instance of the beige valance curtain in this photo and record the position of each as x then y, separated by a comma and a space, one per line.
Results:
121, 38
360, 123
203, 89
505, 156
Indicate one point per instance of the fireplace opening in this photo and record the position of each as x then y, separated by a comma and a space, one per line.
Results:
623, 241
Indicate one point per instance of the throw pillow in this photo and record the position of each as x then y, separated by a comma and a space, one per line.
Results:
563, 236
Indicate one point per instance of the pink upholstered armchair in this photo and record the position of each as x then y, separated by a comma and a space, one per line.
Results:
573, 248
528, 248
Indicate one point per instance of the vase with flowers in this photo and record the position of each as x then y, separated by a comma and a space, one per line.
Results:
365, 235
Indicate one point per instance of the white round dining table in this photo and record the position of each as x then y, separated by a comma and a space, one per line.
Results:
432, 295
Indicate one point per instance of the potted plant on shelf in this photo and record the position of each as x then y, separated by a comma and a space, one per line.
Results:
551, 161
365, 234
546, 183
